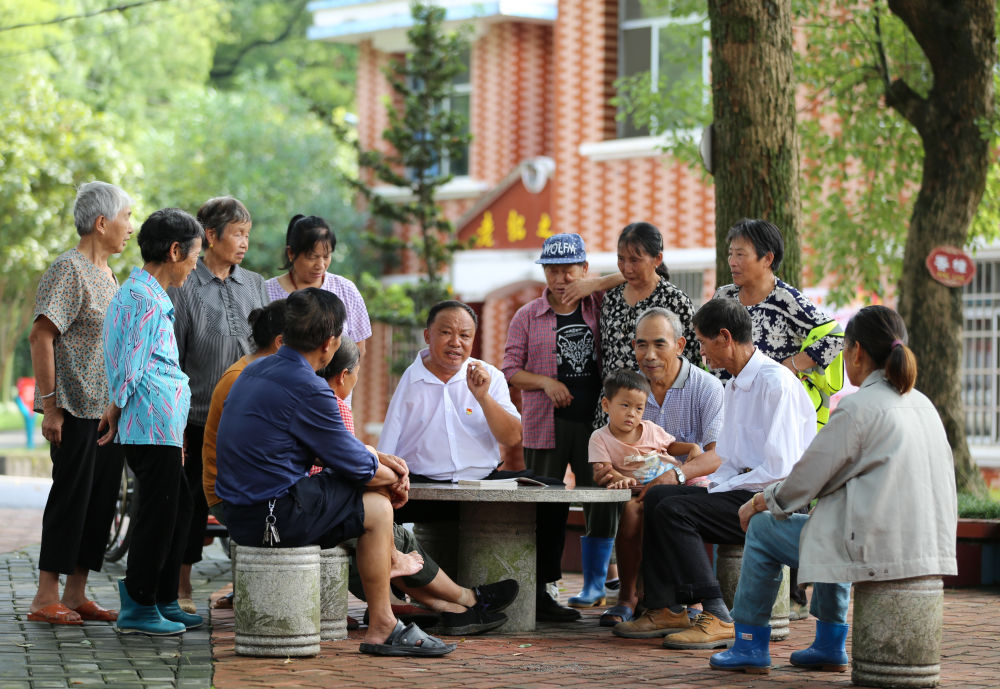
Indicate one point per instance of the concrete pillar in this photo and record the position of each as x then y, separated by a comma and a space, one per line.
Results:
278, 608
333, 594
440, 540
896, 633
499, 543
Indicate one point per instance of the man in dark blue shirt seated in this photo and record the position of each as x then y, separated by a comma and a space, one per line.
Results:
278, 420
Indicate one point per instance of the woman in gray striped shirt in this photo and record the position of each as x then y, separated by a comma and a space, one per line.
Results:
212, 332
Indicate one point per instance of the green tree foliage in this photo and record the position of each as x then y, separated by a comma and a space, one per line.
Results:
261, 144
135, 96
861, 161
268, 40
48, 145
422, 135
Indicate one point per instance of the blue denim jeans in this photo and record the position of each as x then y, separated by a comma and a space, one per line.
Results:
771, 543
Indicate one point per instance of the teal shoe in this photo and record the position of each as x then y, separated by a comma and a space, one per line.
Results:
750, 651
827, 652
134, 618
172, 611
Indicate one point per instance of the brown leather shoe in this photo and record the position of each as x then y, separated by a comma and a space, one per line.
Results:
653, 623
707, 631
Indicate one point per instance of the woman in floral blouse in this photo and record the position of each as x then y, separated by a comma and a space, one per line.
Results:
647, 284
146, 382
72, 394
782, 316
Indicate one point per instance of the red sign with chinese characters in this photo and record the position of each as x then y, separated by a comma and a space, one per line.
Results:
951, 266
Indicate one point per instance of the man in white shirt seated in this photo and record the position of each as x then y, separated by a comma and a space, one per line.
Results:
446, 419
768, 422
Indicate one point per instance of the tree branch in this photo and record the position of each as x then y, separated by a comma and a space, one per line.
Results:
898, 94
227, 71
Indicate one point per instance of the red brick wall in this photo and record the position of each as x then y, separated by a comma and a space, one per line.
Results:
511, 102
545, 90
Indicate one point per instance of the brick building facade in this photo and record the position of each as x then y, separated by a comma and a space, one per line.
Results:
541, 76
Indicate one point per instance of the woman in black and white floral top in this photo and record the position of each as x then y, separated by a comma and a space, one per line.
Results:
647, 284
782, 316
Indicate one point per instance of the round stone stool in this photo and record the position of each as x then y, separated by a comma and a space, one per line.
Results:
896, 635
278, 603
333, 565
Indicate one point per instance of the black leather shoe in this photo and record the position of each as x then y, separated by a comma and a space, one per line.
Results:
548, 610
472, 621
496, 596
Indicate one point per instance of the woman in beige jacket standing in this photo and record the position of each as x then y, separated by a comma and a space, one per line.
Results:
887, 509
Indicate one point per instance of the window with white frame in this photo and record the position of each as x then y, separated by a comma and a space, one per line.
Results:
671, 50
981, 354
458, 102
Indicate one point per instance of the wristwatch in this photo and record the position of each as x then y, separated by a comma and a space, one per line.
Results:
681, 478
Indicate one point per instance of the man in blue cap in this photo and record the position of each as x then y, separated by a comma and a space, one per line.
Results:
553, 356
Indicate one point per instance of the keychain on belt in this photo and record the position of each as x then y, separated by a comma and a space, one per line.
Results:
270, 532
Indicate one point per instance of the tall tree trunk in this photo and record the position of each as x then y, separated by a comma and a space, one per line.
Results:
755, 157
959, 40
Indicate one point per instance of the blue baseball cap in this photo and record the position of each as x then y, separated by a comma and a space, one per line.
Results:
563, 248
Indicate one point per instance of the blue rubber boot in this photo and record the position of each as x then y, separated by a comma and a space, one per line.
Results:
827, 651
595, 554
134, 618
750, 651
172, 611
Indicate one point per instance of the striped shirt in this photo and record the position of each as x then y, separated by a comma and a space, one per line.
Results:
691, 409
145, 379
358, 326
212, 329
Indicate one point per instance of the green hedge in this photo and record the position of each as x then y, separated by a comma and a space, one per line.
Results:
978, 507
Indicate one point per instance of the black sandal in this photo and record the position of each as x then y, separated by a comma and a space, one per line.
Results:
408, 640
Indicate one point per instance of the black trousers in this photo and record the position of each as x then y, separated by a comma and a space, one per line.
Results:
550, 528
81, 503
319, 510
161, 523
194, 437
572, 449
678, 521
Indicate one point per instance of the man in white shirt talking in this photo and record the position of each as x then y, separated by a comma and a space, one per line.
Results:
447, 417
768, 422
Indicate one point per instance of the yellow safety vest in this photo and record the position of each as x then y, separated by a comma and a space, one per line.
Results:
822, 383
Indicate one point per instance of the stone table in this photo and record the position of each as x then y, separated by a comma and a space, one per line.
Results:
496, 536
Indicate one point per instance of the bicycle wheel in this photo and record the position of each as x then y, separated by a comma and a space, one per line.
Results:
121, 526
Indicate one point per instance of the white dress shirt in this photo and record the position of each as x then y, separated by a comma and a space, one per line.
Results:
439, 428
768, 422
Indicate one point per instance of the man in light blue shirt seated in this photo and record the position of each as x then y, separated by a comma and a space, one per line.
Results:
686, 402
278, 420
769, 421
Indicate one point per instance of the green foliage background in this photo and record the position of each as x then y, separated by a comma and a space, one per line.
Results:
176, 101
861, 162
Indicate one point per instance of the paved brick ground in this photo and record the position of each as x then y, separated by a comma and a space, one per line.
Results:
20, 528
36, 655
584, 654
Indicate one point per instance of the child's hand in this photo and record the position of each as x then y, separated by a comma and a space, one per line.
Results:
623, 482
695, 451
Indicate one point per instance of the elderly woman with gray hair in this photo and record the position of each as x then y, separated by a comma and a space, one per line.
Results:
71, 391
212, 333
